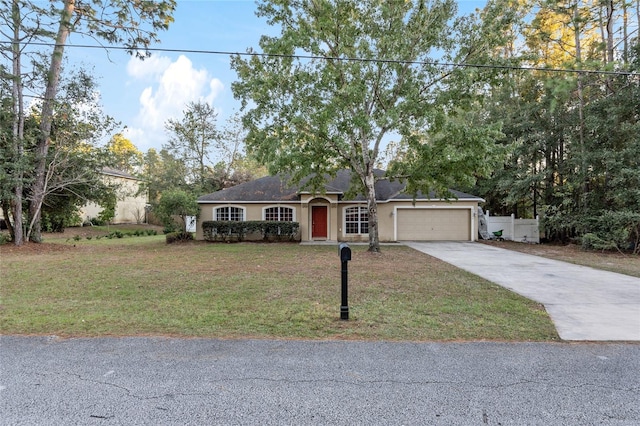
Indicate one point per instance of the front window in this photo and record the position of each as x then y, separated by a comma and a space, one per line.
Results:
279, 214
356, 220
230, 213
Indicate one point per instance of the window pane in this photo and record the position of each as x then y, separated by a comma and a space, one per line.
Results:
364, 220
230, 213
351, 228
222, 213
282, 214
235, 213
271, 213
286, 214
356, 220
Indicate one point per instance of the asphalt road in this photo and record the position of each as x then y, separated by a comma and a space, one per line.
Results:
163, 381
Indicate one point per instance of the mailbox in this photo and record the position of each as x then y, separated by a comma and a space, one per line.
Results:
345, 252
345, 256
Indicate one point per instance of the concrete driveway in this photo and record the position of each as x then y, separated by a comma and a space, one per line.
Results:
584, 303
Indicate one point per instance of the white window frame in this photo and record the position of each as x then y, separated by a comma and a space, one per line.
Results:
293, 212
359, 222
242, 209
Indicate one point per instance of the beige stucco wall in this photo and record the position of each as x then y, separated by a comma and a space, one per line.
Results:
335, 217
129, 207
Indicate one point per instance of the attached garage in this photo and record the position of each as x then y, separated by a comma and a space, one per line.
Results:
434, 224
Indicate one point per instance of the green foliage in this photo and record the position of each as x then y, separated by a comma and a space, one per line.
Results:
67, 114
4, 238
176, 203
179, 237
60, 215
574, 145
191, 142
163, 172
313, 117
108, 212
238, 230
619, 230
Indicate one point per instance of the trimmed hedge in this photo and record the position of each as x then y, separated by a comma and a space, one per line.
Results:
223, 230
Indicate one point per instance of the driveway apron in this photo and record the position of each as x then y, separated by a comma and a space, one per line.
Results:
584, 303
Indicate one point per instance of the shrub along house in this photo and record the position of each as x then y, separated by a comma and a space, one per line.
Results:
334, 216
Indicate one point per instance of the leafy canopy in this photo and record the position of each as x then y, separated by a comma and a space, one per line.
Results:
345, 76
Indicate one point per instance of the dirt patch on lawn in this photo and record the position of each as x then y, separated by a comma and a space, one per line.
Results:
35, 248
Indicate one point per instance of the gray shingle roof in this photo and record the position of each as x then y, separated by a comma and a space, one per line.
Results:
275, 188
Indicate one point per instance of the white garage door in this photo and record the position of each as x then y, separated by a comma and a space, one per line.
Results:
434, 224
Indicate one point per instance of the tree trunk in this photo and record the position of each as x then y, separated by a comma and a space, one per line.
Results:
38, 188
583, 153
638, 15
610, 45
18, 131
372, 205
625, 32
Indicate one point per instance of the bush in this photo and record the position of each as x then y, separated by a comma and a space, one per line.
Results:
236, 231
170, 228
116, 234
4, 238
619, 230
94, 221
179, 237
176, 204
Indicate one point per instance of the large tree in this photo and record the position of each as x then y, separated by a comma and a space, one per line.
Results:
192, 139
575, 132
344, 76
73, 162
123, 154
21, 26
133, 24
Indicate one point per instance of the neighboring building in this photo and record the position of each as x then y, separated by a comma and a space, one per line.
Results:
333, 217
131, 204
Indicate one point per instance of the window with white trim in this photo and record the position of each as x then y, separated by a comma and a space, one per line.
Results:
278, 214
229, 213
356, 220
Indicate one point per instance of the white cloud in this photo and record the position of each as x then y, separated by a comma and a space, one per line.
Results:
149, 68
173, 85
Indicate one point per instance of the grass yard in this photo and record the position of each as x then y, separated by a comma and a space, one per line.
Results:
142, 286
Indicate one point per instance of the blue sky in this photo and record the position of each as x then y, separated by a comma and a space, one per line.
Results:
142, 95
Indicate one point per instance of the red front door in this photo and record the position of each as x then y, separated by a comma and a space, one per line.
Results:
319, 222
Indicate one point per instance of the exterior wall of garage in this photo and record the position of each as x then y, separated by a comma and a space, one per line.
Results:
388, 214
461, 220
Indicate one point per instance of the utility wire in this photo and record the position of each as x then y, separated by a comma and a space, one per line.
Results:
364, 60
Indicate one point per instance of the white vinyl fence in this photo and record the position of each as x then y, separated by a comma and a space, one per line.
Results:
521, 230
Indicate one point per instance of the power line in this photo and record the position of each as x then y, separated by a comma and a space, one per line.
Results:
364, 60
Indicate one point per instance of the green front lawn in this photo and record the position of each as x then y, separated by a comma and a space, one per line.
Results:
142, 286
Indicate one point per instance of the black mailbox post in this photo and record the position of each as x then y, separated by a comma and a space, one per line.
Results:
345, 255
